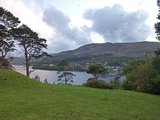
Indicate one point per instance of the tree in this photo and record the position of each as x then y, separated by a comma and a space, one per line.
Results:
97, 70
144, 77
135, 70
7, 22
30, 42
157, 25
139, 78
64, 75
132, 65
156, 61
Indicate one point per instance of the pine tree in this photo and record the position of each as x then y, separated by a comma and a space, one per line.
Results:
30, 42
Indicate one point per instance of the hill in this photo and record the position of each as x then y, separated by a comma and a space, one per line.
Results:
24, 99
18, 61
113, 53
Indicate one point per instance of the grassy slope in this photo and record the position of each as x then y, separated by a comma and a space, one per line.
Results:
24, 99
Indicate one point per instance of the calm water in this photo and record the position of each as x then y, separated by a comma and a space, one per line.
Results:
51, 76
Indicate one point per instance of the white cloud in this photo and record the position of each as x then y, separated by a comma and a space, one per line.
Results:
96, 38
31, 12
117, 25
67, 37
28, 16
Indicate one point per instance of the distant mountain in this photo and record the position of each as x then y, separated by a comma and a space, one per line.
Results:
113, 53
17, 61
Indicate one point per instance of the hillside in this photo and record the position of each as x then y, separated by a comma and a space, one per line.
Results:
24, 99
136, 49
113, 53
17, 61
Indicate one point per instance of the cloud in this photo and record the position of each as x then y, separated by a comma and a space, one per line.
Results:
66, 37
65, 32
117, 25
29, 14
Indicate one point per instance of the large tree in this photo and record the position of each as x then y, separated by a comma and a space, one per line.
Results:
157, 25
64, 75
30, 42
7, 22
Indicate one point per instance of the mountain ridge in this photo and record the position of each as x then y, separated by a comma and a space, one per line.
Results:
110, 46
115, 53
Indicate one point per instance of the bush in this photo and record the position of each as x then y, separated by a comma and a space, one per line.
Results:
4, 64
97, 84
37, 78
154, 86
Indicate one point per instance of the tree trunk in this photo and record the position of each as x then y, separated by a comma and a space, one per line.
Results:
27, 68
96, 75
2, 59
65, 77
27, 62
1, 62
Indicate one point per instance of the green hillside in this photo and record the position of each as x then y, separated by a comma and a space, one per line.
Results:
24, 99
113, 53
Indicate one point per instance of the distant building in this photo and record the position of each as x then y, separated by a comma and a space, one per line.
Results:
51, 65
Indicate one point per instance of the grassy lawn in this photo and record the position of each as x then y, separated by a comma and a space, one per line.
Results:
24, 99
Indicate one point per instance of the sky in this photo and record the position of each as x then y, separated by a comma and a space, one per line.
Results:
69, 24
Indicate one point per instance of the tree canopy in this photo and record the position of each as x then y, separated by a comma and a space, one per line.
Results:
30, 42
63, 74
157, 25
143, 76
7, 22
97, 70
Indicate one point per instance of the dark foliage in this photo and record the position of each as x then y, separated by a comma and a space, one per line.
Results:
7, 22
156, 61
64, 76
4, 63
97, 70
30, 42
132, 65
97, 84
144, 77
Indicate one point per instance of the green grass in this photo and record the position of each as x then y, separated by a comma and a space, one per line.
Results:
24, 99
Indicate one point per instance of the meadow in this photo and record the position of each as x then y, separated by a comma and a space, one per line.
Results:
24, 99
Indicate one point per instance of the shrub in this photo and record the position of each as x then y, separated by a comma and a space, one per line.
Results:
37, 78
4, 64
144, 78
97, 84
154, 86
